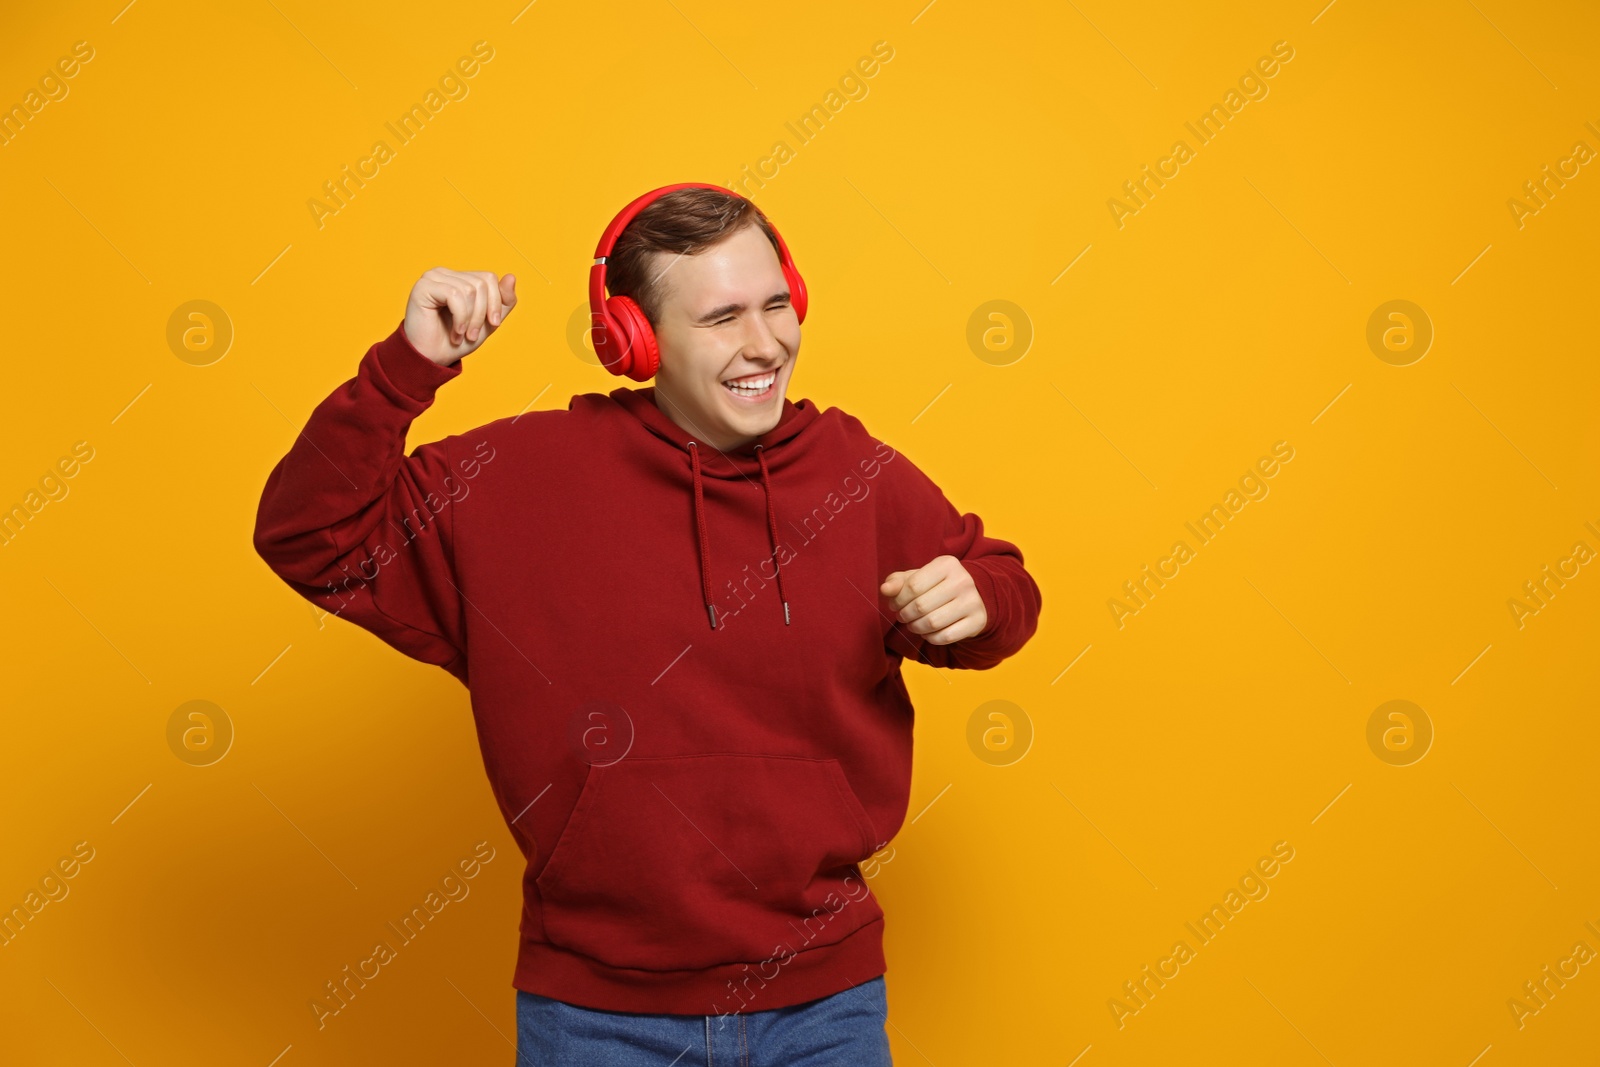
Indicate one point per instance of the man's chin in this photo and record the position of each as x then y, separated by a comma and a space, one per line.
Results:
752, 427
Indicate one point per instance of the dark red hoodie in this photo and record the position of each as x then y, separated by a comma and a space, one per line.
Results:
693, 798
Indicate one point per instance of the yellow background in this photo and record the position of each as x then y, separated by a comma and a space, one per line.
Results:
1227, 315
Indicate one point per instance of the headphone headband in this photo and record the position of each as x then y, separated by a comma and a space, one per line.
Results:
621, 333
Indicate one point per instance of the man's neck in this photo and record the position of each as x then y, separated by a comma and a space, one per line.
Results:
675, 412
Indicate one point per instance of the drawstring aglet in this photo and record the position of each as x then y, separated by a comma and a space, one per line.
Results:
711, 609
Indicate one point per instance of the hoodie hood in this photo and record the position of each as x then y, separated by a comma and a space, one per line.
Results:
760, 459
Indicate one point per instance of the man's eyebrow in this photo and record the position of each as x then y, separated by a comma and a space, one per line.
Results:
734, 309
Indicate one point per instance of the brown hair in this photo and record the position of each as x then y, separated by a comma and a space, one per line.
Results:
683, 222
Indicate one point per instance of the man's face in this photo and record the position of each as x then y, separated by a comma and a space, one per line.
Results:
725, 317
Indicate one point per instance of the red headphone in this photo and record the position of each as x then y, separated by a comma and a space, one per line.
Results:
622, 335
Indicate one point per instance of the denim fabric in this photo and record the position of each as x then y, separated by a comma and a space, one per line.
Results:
845, 1029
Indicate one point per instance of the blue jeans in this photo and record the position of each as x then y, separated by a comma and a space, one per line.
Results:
845, 1029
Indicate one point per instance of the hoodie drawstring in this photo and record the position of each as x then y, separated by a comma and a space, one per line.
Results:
700, 532
772, 530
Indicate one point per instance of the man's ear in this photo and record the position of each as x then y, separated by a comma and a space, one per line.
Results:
662, 355
666, 345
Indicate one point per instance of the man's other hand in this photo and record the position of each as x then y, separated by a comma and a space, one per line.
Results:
939, 600
451, 312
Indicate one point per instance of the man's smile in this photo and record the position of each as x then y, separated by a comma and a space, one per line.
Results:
753, 387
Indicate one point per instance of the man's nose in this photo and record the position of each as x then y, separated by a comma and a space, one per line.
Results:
760, 341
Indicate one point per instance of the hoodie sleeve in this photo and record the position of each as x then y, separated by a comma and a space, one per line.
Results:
927, 525
363, 530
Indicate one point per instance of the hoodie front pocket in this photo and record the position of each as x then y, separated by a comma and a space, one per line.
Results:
686, 862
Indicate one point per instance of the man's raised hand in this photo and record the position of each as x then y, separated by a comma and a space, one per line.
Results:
451, 312
939, 600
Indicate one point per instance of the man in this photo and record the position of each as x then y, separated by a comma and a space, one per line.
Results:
680, 612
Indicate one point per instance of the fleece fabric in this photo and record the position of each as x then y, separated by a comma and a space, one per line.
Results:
686, 686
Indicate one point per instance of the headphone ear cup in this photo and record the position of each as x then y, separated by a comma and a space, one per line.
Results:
634, 353
797, 292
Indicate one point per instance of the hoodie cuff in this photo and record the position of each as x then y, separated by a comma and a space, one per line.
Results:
408, 370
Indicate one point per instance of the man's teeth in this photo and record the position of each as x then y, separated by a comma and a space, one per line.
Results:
753, 387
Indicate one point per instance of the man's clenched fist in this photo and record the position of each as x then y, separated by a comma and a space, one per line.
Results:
450, 312
939, 601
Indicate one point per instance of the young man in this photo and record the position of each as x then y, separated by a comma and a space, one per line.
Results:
680, 612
